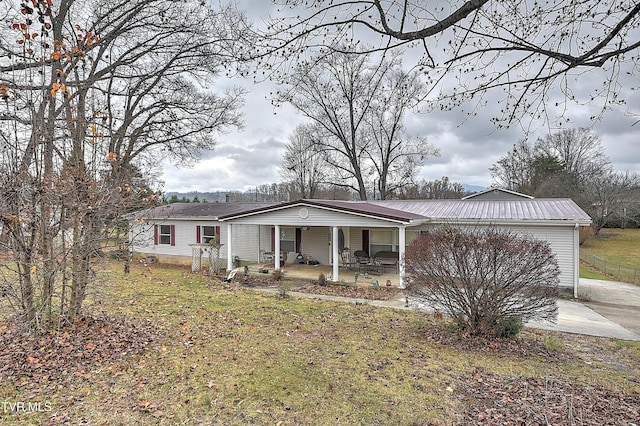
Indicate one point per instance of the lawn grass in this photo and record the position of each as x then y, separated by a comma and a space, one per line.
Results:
617, 247
621, 246
586, 271
234, 356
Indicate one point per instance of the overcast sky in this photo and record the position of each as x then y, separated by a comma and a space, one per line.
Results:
245, 159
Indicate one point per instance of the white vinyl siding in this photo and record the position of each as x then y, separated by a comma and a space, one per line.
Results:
315, 242
560, 239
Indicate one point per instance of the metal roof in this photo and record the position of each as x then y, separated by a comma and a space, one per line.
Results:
500, 192
361, 208
536, 209
520, 210
197, 210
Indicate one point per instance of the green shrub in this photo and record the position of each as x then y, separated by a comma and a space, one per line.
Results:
508, 327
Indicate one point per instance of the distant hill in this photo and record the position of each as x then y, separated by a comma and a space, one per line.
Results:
473, 188
210, 197
221, 196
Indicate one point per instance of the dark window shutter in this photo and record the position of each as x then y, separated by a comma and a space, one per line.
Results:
298, 239
155, 235
365, 240
198, 234
173, 235
273, 239
218, 233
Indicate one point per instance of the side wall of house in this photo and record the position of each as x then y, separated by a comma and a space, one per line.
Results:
561, 241
245, 244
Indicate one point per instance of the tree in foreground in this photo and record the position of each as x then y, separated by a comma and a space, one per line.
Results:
94, 97
486, 279
526, 49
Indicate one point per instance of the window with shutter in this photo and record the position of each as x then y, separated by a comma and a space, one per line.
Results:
166, 234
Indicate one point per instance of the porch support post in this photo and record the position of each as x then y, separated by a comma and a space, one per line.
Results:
576, 260
401, 250
229, 247
276, 254
335, 256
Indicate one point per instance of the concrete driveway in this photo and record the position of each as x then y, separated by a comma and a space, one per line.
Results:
610, 309
619, 302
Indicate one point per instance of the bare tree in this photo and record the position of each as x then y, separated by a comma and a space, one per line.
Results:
442, 188
579, 151
570, 163
95, 94
395, 157
522, 48
483, 277
346, 96
608, 194
560, 164
430, 190
514, 170
302, 164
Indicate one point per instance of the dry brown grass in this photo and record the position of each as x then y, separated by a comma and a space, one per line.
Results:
230, 355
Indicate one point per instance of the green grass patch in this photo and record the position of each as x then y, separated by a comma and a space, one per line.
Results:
632, 348
621, 246
588, 272
618, 251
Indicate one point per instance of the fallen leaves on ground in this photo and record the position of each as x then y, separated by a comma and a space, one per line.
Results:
491, 399
360, 292
76, 350
445, 334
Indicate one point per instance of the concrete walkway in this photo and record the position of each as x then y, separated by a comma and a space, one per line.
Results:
613, 309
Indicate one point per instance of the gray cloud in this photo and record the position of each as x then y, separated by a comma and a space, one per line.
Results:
468, 145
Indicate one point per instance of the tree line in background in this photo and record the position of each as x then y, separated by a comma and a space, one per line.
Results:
572, 164
282, 192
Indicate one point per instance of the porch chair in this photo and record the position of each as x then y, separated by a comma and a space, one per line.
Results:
345, 255
362, 259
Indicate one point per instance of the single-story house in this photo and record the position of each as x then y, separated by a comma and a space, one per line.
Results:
325, 229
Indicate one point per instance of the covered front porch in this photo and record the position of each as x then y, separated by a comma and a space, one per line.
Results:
347, 275
346, 239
